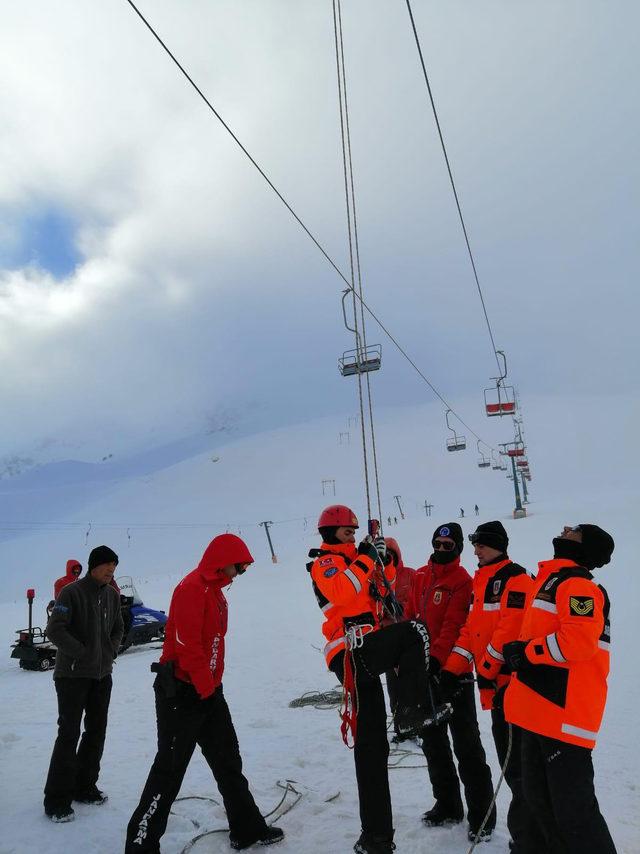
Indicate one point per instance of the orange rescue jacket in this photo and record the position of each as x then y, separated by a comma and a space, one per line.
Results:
497, 607
567, 625
341, 581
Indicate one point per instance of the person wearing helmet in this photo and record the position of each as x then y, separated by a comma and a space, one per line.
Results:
353, 594
440, 597
191, 708
558, 691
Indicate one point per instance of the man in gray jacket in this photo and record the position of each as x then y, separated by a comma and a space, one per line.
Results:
86, 626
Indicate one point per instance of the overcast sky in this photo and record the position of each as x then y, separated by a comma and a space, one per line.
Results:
151, 283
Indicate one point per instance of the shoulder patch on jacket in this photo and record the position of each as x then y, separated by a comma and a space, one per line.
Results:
329, 572
62, 608
325, 561
581, 606
515, 599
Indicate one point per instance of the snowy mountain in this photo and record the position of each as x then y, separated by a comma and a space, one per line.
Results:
160, 517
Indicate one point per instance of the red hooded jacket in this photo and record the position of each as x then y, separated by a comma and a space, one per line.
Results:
197, 623
69, 578
440, 597
404, 578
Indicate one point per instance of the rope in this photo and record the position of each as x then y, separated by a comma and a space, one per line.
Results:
453, 184
298, 219
495, 792
321, 700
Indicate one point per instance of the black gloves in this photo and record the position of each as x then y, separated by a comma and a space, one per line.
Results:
392, 607
434, 666
498, 699
367, 549
514, 656
449, 685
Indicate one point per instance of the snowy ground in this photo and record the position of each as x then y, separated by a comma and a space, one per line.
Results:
273, 646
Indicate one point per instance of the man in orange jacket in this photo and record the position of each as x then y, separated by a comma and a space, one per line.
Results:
500, 589
558, 691
191, 708
353, 595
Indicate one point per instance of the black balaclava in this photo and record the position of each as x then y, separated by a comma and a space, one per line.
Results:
594, 551
454, 532
328, 534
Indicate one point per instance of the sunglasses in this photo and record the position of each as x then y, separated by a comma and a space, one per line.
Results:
442, 545
241, 567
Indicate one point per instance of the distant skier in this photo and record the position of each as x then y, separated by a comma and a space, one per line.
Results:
191, 708
348, 584
558, 692
462, 513
395, 520
477, 509
86, 626
440, 597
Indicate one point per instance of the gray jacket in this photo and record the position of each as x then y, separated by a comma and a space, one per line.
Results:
86, 626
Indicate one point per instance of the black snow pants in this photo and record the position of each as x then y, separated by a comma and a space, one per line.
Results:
523, 828
472, 761
184, 721
557, 781
401, 645
73, 773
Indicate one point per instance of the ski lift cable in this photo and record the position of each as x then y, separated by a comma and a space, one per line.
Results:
298, 219
453, 183
354, 244
346, 162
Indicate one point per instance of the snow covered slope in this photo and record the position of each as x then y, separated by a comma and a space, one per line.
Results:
160, 523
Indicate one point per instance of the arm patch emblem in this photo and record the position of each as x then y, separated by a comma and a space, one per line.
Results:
515, 599
581, 606
329, 572
62, 608
325, 561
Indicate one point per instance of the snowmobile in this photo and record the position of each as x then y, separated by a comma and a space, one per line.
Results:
141, 624
32, 648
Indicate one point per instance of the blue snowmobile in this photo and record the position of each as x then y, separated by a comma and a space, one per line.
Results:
141, 624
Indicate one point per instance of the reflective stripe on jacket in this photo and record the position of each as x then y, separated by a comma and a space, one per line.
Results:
440, 597
497, 607
567, 625
341, 579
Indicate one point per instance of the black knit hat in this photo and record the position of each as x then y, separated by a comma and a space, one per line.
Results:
597, 544
451, 530
100, 555
490, 534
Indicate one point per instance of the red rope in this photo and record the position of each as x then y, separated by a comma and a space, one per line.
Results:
349, 708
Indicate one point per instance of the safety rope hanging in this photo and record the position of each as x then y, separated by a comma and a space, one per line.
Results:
362, 353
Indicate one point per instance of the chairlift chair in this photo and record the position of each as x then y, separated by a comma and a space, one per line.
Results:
483, 462
360, 362
515, 452
501, 399
522, 464
457, 443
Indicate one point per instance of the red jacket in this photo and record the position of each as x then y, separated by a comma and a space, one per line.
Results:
197, 623
69, 578
341, 579
404, 579
566, 625
440, 597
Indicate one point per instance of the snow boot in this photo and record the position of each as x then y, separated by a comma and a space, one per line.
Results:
267, 836
91, 796
412, 720
441, 814
371, 843
60, 815
483, 836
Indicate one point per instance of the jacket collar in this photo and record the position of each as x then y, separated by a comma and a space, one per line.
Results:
348, 550
547, 567
440, 569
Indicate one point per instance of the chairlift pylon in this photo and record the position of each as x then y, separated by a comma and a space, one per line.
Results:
501, 399
458, 443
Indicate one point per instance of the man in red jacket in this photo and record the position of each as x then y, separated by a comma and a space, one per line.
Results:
191, 708
440, 597
72, 574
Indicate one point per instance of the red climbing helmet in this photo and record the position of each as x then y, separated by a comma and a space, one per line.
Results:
338, 516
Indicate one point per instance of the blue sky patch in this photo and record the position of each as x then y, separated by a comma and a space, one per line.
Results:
46, 239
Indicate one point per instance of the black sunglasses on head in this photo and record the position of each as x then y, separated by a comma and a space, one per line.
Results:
442, 545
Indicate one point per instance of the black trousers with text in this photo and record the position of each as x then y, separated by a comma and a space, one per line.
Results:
74, 770
557, 781
472, 761
401, 645
184, 721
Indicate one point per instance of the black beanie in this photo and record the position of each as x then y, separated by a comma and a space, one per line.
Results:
597, 544
491, 534
451, 530
100, 555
